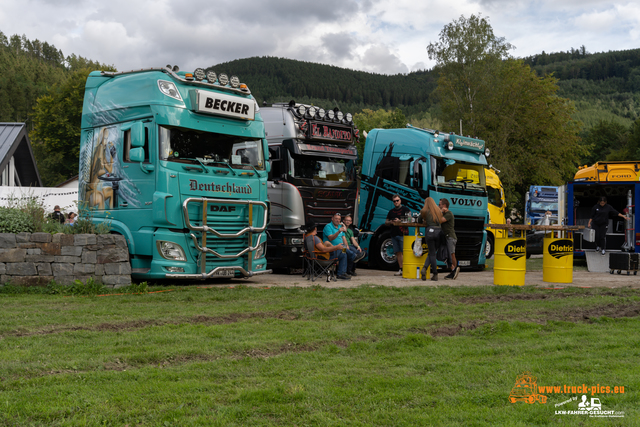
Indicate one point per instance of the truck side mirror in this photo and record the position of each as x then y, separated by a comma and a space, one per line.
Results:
136, 154
137, 135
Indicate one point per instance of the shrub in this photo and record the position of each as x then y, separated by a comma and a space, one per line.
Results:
15, 221
28, 215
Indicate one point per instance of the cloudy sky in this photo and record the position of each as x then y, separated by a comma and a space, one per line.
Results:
380, 36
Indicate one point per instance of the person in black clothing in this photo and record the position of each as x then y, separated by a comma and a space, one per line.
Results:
57, 215
600, 214
397, 233
432, 216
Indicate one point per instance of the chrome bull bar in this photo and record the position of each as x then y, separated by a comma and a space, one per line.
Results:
204, 228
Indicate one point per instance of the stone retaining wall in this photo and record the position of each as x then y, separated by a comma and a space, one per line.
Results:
38, 258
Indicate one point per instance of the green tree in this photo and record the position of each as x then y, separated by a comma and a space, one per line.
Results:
528, 128
467, 57
56, 134
607, 140
381, 119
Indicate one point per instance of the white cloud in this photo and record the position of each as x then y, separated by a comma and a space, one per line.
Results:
382, 36
379, 59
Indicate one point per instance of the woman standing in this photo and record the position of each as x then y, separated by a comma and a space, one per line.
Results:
432, 216
600, 215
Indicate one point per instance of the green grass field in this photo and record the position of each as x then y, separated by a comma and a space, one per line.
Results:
238, 356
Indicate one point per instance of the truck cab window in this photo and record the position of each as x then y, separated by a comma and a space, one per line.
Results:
276, 162
495, 197
322, 168
457, 174
127, 145
208, 148
404, 173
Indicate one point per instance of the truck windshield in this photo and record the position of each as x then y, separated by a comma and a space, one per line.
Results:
457, 174
322, 168
193, 146
544, 206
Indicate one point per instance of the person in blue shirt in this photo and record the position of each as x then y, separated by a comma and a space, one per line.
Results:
334, 233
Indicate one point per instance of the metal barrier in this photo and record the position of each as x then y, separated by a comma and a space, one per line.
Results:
204, 229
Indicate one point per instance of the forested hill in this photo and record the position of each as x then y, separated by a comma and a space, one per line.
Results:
28, 70
274, 79
605, 86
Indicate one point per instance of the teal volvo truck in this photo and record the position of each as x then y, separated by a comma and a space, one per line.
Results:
419, 163
177, 162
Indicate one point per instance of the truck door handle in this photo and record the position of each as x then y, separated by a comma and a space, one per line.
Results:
124, 205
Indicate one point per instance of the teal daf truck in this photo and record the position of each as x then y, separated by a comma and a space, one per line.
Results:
177, 162
419, 163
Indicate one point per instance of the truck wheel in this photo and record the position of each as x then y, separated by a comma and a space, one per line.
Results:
488, 249
382, 253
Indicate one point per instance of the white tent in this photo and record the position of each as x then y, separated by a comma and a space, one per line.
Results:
48, 197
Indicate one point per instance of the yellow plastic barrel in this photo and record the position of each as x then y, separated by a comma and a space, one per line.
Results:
557, 260
510, 261
412, 264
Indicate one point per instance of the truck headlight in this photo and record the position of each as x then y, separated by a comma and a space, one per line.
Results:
171, 251
169, 89
259, 253
296, 241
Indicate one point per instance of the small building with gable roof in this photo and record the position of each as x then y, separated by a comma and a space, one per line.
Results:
17, 164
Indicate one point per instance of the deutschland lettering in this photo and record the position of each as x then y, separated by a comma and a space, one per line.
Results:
225, 188
228, 106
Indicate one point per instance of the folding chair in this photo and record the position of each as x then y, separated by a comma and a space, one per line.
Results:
315, 267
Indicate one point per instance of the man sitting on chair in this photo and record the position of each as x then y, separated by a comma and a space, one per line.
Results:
324, 250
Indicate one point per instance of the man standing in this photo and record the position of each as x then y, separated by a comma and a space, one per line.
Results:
334, 233
397, 233
600, 214
448, 229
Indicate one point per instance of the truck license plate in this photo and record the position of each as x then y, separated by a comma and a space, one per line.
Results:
464, 263
224, 273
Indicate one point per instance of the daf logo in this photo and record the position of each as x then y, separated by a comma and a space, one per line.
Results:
560, 248
516, 249
215, 208
466, 202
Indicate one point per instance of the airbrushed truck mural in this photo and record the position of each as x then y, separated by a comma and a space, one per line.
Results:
106, 177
